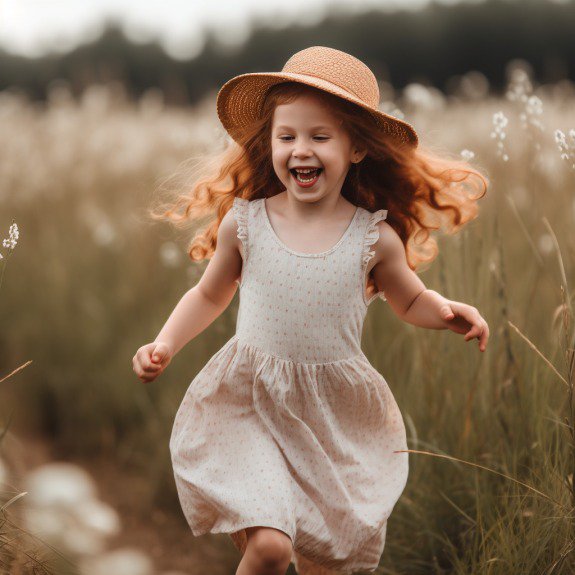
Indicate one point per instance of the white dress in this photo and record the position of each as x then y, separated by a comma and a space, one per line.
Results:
288, 425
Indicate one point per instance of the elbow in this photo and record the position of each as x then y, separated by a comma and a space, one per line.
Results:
405, 313
205, 295
219, 301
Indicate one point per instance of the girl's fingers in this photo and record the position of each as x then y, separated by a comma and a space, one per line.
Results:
147, 372
148, 377
481, 332
484, 337
478, 327
150, 361
460, 319
447, 312
470, 315
475, 331
151, 368
145, 367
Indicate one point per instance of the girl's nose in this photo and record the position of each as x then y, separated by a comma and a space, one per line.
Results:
300, 150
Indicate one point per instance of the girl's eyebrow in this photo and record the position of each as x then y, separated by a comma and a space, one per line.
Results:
312, 128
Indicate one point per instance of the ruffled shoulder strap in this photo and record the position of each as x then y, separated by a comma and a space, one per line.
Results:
370, 237
241, 211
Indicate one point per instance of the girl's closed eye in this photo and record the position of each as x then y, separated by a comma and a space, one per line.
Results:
320, 138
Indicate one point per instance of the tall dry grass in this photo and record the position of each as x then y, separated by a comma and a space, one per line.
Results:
491, 435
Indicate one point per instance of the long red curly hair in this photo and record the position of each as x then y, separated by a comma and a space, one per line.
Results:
421, 189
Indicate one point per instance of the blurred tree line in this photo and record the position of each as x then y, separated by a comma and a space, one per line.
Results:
430, 46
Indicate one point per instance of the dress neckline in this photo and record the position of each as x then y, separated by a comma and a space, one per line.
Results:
302, 254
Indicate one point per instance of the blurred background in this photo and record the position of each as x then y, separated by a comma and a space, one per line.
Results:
104, 105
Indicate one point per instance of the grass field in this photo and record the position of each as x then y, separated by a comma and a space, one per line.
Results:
91, 279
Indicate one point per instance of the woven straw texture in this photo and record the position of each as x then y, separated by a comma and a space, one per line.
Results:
240, 99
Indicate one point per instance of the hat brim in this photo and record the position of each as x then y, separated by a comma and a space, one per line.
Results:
240, 99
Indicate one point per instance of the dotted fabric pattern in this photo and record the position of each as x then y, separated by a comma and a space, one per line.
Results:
289, 425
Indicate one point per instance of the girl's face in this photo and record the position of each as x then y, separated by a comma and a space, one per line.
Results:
306, 134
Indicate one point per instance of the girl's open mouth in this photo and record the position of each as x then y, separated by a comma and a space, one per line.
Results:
306, 178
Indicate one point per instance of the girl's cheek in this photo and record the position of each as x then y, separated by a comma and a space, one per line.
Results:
279, 159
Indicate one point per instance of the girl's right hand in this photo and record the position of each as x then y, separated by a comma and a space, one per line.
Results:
151, 360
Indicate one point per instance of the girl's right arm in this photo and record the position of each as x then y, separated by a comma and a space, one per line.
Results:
199, 306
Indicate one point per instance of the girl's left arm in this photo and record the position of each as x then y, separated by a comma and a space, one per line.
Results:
412, 301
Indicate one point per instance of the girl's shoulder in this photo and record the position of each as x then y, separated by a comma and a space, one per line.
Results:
242, 207
387, 244
231, 226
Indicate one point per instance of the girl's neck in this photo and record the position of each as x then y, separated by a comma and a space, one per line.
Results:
326, 208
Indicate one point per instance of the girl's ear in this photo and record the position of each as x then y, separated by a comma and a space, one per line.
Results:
358, 156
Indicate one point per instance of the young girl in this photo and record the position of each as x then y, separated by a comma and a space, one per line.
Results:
289, 439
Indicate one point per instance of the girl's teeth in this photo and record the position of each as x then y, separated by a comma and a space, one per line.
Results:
305, 180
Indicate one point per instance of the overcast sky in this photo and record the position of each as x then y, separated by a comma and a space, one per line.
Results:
32, 27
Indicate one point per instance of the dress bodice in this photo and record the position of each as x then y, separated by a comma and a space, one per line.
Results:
304, 307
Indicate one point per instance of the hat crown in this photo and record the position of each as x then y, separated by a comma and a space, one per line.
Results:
339, 68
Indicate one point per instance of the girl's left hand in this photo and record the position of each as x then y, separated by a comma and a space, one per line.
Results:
462, 318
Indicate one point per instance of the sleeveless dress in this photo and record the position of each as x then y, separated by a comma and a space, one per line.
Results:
288, 425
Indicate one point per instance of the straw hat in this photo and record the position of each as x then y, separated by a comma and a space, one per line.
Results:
240, 99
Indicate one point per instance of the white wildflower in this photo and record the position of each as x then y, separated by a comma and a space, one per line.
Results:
534, 108
530, 118
467, 154
519, 86
13, 235
567, 150
500, 121
520, 90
